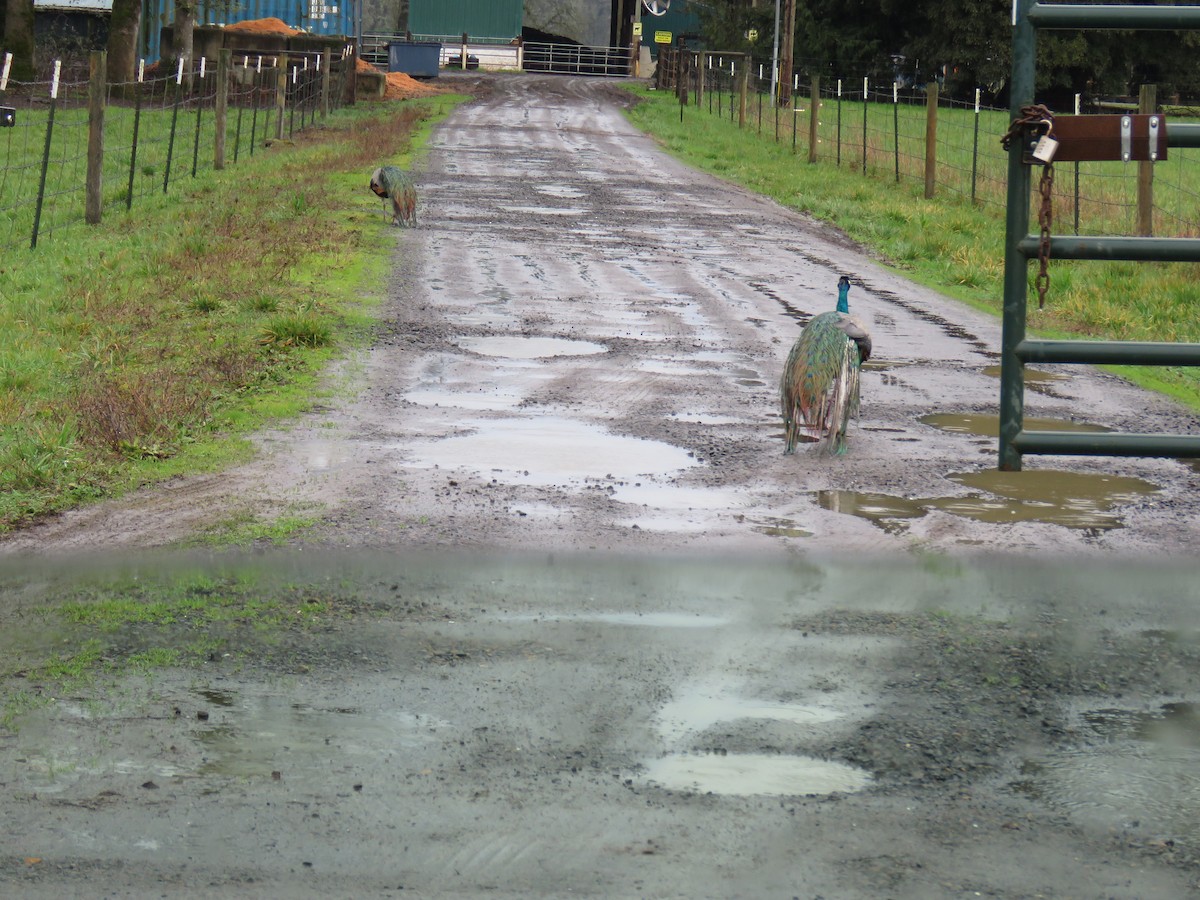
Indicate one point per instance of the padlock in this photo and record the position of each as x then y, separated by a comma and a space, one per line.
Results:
8, 117
1044, 149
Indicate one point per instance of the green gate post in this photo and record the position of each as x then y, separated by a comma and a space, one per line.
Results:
1016, 270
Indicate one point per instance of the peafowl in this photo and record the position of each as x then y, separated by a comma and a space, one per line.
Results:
395, 185
819, 389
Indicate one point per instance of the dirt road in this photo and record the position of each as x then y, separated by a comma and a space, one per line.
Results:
608, 640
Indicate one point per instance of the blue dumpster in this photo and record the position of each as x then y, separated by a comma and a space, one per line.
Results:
416, 58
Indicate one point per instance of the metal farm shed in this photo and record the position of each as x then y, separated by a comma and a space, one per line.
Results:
319, 17
482, 20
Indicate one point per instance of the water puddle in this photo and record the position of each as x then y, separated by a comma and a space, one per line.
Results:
635, 619
323, 455
1070, 499
559, 190
1140, 770
986, 425
698, 709
775, 527
1032, 376
257, 736
543, 210
493, 400
666, 496
754, 773
529, 347
549, 451
883, 510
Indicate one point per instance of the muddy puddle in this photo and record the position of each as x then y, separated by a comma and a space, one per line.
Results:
699, 709
985, 425
549, 451
753, 773
257, 735
1070, 499
529, 347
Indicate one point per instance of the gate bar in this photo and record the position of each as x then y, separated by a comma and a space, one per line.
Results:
1075, 443
1124, 16
1180, 134
1137, 249
1137, 353
1020, 247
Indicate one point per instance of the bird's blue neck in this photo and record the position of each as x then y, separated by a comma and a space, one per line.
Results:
843, 305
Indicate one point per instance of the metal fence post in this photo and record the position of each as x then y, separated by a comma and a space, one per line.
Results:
137, 124
41, 195
174, 123
975, 150
931, 111
1016, 266
866, 90
896, 127
199, 98
93, 204
814, 118
839, 122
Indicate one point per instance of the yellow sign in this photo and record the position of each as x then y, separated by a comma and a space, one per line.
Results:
752, 35
662, 37
637, 29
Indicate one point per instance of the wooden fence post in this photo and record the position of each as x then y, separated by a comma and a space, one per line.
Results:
743, 86
221, 110
280, 94
931, 112
1147, 101
700, 58
326, 80
98, 62
814, 120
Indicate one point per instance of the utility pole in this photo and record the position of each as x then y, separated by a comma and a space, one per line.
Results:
636, 43
775, 56
784, 98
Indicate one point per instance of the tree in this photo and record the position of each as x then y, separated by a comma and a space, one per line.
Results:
182, 30
123, 26
18, 38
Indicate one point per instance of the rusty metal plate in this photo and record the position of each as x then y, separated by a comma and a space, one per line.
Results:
1099, 138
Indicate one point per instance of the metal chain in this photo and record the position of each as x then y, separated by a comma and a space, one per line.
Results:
1045, 221
1037, 114
1030, 115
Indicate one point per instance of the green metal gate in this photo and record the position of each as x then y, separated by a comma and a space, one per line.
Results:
1021, 247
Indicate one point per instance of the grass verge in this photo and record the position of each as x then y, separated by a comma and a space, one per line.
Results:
148, 346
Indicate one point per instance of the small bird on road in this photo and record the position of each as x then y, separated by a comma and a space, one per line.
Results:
819, 391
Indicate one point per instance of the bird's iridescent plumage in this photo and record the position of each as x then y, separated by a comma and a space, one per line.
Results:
819, 391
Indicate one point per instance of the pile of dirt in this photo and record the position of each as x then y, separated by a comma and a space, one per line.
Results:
399, 85
269, 25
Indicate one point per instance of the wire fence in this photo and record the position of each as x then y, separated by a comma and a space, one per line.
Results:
950, 146
73, 150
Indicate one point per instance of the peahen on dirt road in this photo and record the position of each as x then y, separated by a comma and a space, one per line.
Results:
819, 388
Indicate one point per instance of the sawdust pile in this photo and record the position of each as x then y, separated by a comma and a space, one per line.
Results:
269, 25
399, 85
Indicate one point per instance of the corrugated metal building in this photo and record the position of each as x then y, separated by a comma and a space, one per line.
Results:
482, 20
320, 17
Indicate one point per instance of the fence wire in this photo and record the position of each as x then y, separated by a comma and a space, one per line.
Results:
156, 131
880, 131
